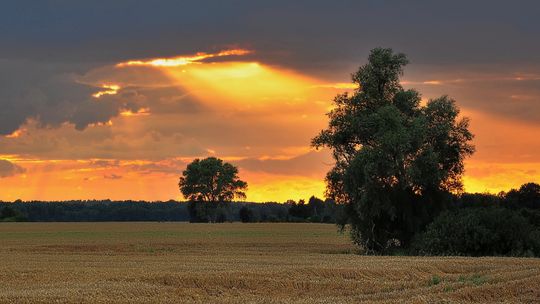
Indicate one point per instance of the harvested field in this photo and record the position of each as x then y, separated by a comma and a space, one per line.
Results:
238, 263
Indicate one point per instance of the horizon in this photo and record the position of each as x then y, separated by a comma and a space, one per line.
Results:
119, 116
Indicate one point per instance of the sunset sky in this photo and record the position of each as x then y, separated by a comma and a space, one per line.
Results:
111, 99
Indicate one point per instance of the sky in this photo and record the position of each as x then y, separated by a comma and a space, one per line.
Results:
112, 99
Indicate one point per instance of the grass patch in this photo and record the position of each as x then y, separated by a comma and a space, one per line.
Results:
435, 280
475, 279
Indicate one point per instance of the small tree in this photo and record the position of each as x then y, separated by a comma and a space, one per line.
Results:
395, 160
209, 183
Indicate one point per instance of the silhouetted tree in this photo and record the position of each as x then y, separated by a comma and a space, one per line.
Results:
396, 161
316, 205
299, 210
528, 196
473, 200
209, 183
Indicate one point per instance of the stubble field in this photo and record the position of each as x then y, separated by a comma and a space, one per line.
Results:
238, 263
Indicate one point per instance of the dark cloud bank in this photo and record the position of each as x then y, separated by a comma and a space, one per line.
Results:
46, 45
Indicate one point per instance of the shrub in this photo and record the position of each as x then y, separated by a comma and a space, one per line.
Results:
479, 232
9, 214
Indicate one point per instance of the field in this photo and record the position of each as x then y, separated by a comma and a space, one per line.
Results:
238, 263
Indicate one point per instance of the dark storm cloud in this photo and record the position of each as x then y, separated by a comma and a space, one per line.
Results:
43, 42
302, 32
8, 168
48, 94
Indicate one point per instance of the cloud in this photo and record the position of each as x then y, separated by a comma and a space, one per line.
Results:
164, 112
171, 166
49, 95
64, 97
57, 55
313, 163
103, 163
317, 34
496, 90
8, 168
112, 176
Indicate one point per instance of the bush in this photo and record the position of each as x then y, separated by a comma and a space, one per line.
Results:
209, 212
9, 214
314, 219
479, 232
527, 196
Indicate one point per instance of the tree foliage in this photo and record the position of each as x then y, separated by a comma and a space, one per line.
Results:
480, 232
211, 180
209, 184
527, 196
396, 161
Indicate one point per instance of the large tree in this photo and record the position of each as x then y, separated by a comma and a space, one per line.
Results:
396, 161
209, 184
211, 180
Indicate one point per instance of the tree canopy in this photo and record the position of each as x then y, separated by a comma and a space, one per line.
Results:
211, 180
395, 159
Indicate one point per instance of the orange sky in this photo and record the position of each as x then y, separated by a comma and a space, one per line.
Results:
257, 115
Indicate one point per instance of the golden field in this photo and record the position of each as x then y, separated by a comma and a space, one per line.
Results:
238, 263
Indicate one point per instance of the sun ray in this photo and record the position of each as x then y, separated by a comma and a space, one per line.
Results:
183, 60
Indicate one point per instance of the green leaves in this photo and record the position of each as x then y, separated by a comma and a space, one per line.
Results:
379, 80
391, 152
211, 180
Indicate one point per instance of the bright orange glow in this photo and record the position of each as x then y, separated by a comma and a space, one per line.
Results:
140, 112
16, 133
11, 158
183, 60
78, 179
433, 82
280, 188
250, 113
339, 85
245, 83
110, 89
99, 124
487, 177
51, 181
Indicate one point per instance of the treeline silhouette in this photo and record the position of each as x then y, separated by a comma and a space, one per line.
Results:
315, 210
474, 224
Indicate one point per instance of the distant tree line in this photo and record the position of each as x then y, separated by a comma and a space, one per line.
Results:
476, 224
316, 210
